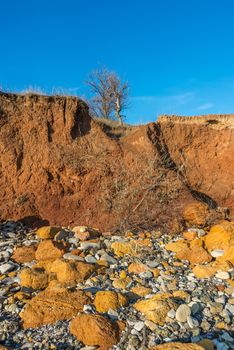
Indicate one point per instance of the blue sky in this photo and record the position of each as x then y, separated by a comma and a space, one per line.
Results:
178, 55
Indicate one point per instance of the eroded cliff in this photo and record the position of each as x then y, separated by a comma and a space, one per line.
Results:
59, 165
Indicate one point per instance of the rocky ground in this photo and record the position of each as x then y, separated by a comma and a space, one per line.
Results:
78, 288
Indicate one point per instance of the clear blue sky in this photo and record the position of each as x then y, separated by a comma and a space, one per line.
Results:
178, 55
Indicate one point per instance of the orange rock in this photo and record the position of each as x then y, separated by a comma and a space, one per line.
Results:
204, 271
49, 250
124, 248
85, 270
177, 346
177, 246
207, 271
196, 214
196, 243
69, 271
141, 291
95, 330
190, 236
47, 232
44, 264
105, 300
52, 305
155, 272
156, 308
228, 254
181, 294
137, 268
24, 254
121, 283
199, 256
221, 236
34, 278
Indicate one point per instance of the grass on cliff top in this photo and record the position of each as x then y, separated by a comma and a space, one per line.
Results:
113, 129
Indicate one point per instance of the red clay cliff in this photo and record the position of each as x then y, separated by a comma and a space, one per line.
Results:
59, 165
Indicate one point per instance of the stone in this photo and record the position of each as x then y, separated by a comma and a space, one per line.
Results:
195, 255
228, 254
182, 313
220, 236
207, 344
177, 346
207, 271
196, 214
216, 253
5, 268
49, 250
190, 235
24, 254
121, 283
70, 272
222, 275
109, 259
177, 246
141, 291
192, 322
156, 308
90, 259
51, 305
85, 233
95, 330
138, 326
124, 248
105, 300
137, 268
36, 278
89, 245
47, 232
181, 294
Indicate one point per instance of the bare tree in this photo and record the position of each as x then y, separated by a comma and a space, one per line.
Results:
119, 95
110, 96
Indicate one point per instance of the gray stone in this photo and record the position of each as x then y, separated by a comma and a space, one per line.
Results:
182, 313
90, 259
5, 268
192, 322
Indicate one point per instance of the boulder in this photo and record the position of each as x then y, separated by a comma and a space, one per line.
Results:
24, 254
124, 248
36, 278
49, 250
156, 308
177, 246
47, 232
95, 330
71, 271
220, 236
105, 300
51, 305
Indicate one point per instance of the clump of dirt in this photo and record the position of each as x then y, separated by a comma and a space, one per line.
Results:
59, 165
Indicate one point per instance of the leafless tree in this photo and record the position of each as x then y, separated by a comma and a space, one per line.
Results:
110, 95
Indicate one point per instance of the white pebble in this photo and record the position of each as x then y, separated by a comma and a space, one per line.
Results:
222, 275
138, 326
217, 253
